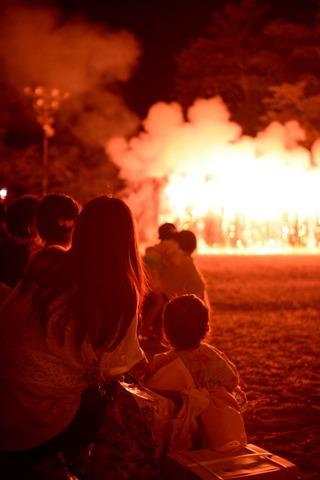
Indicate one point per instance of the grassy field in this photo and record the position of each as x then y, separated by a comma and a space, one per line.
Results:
267, 320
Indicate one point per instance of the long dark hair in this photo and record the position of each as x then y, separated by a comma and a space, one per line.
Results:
101, 277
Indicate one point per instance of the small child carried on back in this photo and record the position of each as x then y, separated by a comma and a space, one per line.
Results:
206, 378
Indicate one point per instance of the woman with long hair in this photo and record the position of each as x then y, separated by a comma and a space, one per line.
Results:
67, 328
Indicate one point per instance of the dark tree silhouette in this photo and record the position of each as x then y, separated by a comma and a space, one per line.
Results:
244, 53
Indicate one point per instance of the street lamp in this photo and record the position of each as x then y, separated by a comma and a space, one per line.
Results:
46, 102
3, 193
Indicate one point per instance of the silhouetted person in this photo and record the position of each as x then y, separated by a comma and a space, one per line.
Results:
191, 362
22, 239
167, 231
182, 276
157, 258
55, 218
69, 328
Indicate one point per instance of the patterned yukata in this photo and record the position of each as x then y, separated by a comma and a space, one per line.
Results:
208, 366
41, 380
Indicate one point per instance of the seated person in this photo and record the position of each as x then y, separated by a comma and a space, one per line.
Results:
189, 364
66, 332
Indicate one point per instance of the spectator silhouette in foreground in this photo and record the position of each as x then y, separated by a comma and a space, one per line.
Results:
22, 240
66, 331
55, 218
192, 365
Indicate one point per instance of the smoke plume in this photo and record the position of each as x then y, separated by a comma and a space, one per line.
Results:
202, 167
38, 47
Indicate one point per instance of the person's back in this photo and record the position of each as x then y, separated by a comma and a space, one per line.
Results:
191, 363
183, 277
185, 326
42, 379
40, 375
70, 323
157, 259
15, 250
160, 256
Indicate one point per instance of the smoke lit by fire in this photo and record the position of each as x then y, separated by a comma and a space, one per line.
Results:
40, 46
257, 193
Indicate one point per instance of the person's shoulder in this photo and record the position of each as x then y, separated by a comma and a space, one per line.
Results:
188, 260
152, 254
211, 349
161, 359
165, 354
151, 249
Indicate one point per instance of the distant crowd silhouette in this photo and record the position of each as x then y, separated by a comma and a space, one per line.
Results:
79, 309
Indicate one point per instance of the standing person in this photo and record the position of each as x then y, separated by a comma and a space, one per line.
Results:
183, 277
158, 258
22, 241
55, 219
67, 329
192, 363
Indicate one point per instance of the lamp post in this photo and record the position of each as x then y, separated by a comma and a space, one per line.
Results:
46, 102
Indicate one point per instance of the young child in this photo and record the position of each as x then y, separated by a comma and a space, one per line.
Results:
191, 363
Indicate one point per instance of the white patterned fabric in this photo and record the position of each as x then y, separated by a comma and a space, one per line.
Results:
41, 381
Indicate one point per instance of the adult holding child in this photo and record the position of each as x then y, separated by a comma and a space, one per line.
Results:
69, 327
184, 277
171, 272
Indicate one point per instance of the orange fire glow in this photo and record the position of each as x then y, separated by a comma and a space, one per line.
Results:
235, 192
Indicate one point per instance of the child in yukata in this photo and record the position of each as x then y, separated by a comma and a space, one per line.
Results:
207, 379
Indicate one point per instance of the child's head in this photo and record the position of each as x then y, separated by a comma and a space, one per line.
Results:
185, 322
187, 241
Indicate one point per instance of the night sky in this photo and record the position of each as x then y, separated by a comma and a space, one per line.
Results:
163, 28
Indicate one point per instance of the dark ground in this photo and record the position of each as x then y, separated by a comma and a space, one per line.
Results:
267, 320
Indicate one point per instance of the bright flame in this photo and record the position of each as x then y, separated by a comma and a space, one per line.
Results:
249, 193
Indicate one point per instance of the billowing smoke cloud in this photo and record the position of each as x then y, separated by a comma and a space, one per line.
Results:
38, 48
203, 167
